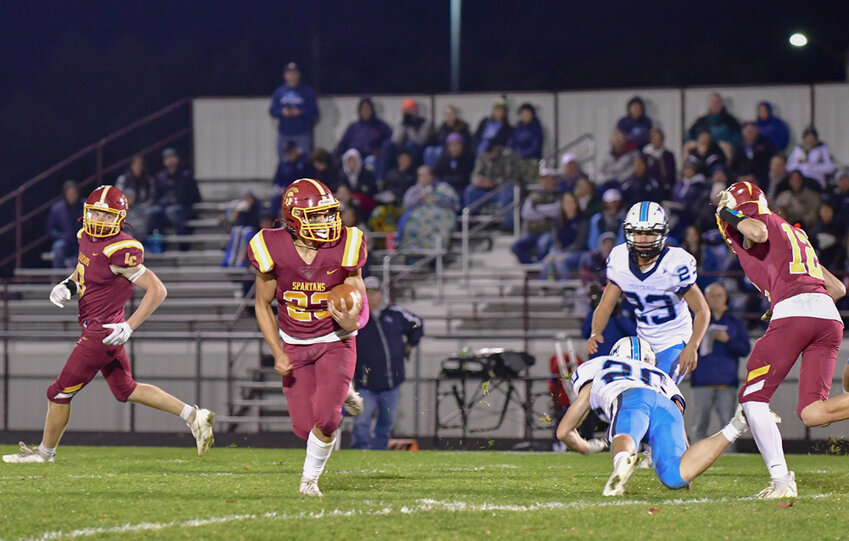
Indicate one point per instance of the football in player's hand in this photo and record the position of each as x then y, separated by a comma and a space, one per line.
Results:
343, 291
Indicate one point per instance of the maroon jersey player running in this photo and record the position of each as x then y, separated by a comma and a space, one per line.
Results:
779, 260
312, 341
109, 267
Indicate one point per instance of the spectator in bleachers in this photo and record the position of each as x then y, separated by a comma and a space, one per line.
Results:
587, 197
571, 173
430, 211
399, 179
840, 196
413, 132
175, 191
244, 223
706, 154
137, 179
346, 198
451, 123
593, 265
778, 176
689, 195
498, 168
360, 180
609, 219
640, 185
351, 217
800, 203
293, 165
636, 125
827, 237
705, 258
714, 381
322, 163
617, 163
456, 163
539, 212
63, 222
569, 240
496, 127
722, 126
812, 158
366, 135
752, 156
526, 140
660, 160
138, 215
295, 109
622, 322
771, 127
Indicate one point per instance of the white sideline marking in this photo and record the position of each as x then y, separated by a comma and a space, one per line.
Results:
423, 505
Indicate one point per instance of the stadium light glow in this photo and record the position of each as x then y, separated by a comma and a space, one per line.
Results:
798, 40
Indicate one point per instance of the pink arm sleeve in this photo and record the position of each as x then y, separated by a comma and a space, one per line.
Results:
362, 319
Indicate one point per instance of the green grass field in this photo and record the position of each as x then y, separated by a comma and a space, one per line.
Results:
234, 493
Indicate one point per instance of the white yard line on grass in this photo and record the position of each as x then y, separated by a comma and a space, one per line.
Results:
423, 505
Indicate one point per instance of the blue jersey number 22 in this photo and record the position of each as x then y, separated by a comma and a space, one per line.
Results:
664, 300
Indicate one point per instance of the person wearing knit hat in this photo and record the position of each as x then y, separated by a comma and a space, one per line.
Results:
295, 110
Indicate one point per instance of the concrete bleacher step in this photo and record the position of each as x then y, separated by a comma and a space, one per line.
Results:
227, 190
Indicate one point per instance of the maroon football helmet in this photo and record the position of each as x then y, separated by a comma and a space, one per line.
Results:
311, 211
110, 200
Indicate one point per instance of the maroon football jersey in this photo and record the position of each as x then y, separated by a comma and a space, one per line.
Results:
103, 293
302, 288
783, 266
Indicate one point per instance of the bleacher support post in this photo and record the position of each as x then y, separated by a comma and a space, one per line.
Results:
517, 211
464, 220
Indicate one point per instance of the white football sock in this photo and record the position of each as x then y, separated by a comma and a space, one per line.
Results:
187, 412
620, 456
317, 454
47, 451
767, 437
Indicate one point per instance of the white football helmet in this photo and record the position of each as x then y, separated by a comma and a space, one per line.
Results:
650, 217
634, 348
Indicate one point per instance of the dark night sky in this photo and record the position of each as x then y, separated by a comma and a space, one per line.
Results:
71, 72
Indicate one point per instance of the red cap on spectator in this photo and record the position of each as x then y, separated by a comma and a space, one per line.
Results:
409, 105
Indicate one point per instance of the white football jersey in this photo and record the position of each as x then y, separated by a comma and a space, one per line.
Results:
663, 318
611, 376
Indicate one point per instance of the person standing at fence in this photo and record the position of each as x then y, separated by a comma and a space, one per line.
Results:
715, 379
311, 339
110, 267
383, 346
295, 110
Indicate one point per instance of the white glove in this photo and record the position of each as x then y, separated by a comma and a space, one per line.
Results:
596, 445
724, 199
60, 294
121, 332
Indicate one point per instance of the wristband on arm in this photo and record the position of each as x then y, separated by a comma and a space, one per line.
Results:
362, 319
731, 216
71, 285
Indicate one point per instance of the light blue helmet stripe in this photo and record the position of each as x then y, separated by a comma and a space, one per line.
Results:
644, 211
635, 348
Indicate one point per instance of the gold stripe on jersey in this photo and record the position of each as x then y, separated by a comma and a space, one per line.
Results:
115, 246
263, 257
318, 187
80, 233
757, 372
353, 241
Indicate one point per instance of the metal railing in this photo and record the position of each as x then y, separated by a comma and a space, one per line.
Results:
39, 204
584, 149
468, 232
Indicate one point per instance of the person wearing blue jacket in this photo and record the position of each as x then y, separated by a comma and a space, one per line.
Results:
771, 127
526, 139
367, 134
715, 379
636, 125
63, 222
382, 347
295, 109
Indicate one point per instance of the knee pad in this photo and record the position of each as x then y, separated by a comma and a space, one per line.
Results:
669, 473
